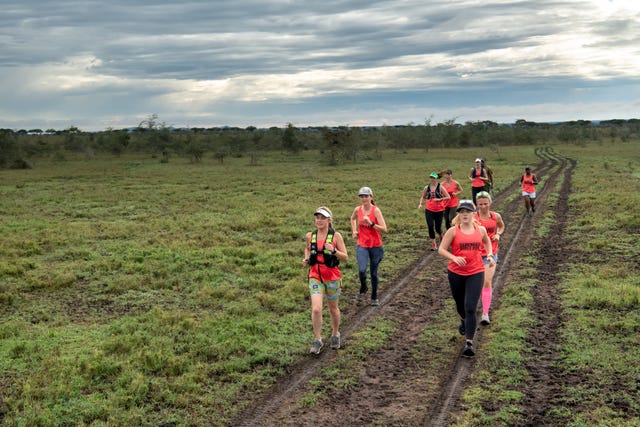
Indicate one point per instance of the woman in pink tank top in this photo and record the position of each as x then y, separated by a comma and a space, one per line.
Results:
435, 198
367, 224
478, 177
323, 253
465, 269
454, 189
493, 223
528, 180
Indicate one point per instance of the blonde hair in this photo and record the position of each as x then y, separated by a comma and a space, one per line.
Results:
484, 195
456, 220
330, 213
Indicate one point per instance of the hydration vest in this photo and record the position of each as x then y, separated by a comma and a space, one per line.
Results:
473, 172
329, 259
437, 194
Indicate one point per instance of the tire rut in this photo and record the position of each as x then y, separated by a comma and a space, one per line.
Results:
544, 384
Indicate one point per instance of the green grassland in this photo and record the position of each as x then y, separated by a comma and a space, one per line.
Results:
135, 292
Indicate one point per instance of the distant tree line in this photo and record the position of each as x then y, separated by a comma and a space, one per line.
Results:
336, 144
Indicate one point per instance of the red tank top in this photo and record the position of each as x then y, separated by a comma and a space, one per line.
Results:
451, 187
321, 271
432, 204
477, 181
368, 237
527, 183
467, 246
490, 224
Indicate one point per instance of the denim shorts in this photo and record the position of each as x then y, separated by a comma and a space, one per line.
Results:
485, 260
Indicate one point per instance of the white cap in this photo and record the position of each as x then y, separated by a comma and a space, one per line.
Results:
365, 191
478, 159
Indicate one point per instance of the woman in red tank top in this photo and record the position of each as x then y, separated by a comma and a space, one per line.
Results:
435, 198
324, 247
529, 182
478, 177
465, 269
492, 222
367, 224
454, 189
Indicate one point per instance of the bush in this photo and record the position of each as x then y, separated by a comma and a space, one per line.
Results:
21, 164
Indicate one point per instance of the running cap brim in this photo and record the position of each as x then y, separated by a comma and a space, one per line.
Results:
322, 212
466, 204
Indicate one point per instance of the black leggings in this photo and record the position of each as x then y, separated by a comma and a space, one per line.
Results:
449, 214
434, 222
466, 293
474, 193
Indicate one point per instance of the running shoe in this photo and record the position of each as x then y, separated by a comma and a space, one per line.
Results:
468, 350
375, 302
485, 320
434, 246
316, 347
335, 341
461, 327
360, 296
533, 208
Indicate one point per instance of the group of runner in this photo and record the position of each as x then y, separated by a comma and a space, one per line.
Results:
470, 243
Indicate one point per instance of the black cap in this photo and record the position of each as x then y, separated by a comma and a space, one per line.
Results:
466, 204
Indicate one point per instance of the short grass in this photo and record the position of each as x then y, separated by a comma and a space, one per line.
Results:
134, 292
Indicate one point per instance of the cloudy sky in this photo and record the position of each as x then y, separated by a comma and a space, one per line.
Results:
100, 64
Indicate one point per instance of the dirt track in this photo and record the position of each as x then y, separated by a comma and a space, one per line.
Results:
392, 384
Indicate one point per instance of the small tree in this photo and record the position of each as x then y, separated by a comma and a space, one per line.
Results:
195, 148
256, 137
157, 135
340, 144
289, 141
9, 151
115, 141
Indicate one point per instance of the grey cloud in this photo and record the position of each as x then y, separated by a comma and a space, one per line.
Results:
137, 41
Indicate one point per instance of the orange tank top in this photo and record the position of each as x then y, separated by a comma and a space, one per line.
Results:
321, 271
490, 224
368, 237
451, 187
477, 180
467, 246
432, 204
527, 183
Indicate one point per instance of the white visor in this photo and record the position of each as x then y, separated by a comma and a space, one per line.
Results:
323, 212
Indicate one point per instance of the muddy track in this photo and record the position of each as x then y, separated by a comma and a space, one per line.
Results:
391, 385
543, 386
